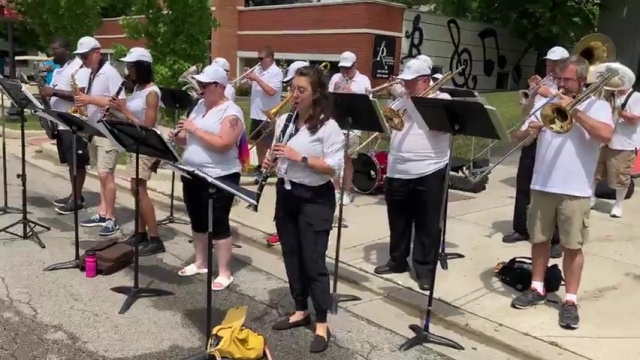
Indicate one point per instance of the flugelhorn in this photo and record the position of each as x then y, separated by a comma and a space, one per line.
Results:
395, 117
241, 77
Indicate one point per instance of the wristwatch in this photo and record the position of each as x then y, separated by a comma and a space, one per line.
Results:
305, 160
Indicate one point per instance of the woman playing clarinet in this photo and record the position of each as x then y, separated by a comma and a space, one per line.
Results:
305, 199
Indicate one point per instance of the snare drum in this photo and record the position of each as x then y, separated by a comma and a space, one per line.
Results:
369, 171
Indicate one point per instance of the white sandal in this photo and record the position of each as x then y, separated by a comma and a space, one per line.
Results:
224, 282
191, 270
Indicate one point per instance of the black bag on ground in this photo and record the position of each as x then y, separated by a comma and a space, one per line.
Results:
112, 256
603, 191
516, 273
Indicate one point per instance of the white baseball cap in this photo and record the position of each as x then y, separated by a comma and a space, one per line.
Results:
222, 62
557, 53
137, 54
291, 71
415, 68
347, 59
213, 74
87, 44
437, 76
426, 59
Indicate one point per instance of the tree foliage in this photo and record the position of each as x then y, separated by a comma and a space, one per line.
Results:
45, 19
118, 8
177, 33
540, 23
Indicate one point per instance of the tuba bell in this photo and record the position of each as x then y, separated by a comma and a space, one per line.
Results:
187, 76
596, 48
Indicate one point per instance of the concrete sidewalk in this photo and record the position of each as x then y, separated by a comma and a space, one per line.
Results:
470, 299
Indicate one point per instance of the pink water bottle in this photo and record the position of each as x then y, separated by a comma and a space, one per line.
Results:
90, 264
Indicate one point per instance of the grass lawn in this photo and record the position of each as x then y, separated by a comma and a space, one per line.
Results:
506, 103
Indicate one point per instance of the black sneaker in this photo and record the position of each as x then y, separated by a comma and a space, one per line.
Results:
514, 237
68, 208
151, 247
137, 238
63, 201
568, 317
527, 299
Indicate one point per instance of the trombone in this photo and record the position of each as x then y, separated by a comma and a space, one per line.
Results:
244, 75
384, 86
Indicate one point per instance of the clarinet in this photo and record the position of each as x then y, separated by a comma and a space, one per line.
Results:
107, 109
283, 136
50, 128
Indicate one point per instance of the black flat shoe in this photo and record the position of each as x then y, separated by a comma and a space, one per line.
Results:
424, 284
319, 343
388, 269
285, 324
514, 237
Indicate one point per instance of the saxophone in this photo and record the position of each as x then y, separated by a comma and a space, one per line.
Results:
78, 111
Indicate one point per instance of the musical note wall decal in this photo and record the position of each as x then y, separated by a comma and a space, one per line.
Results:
416, 37
461, 57
489, 64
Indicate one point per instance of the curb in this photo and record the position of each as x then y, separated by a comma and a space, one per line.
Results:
465, 323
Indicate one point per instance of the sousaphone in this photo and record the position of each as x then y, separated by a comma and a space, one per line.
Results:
596, 48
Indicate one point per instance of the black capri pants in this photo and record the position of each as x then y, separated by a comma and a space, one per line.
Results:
304, 219
196, 198
64, 144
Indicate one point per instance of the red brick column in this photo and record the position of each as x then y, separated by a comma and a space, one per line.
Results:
224, 40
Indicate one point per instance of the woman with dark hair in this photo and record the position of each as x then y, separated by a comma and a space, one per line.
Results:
306, 160
142, 107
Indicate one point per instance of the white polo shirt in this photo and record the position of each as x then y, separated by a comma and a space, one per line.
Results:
105, 84
230, 92
359, 84
416, 150
61, 80
626, 135
566, 163
260, 100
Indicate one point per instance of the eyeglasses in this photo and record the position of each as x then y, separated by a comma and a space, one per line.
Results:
261, 58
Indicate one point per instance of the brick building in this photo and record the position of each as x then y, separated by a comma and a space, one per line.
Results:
316, 32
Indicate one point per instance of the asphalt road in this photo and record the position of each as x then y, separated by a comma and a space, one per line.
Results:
63, 315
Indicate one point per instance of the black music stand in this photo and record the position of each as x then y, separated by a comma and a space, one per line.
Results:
5, 209
215, 185
78, 127
23, 101
136, 139
177, 100
455, 117
352, 112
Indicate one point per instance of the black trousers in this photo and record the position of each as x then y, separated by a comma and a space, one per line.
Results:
523, 190
304, 218
415, 203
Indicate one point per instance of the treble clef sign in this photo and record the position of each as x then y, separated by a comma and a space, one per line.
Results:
461, 57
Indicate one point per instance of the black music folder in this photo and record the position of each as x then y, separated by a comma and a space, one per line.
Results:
357, 112
176, 99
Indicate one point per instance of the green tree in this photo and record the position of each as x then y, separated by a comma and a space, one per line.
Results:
45, 19
176, 32
118, 8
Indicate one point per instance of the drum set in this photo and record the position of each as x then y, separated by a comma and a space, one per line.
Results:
369, 171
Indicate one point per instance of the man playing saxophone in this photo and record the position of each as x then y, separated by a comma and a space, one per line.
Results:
561, 185
349, 79
61, 99
414, 187
528, 153
617, 157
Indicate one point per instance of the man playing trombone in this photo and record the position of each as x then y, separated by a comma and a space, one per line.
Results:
266, 90
539, 91
569, 137
348, 80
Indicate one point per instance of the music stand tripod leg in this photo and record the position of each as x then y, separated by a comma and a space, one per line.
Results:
75, 263
443, 256
171, 219
5, 209
340, 298
28, 225
135, 292
422, 333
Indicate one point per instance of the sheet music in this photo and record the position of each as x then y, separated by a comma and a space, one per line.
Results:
173, 150
31, 98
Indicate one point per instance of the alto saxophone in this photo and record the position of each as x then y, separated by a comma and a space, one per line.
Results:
78, 111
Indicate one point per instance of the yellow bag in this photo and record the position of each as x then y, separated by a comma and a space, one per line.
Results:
232, 340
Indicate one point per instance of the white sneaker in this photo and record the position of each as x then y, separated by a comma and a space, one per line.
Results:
347, 199
616, 211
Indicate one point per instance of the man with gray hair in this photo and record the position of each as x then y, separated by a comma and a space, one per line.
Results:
561, 186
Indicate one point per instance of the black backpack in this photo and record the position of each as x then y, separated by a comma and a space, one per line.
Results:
516, 273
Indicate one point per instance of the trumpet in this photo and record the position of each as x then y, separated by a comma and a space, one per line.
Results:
527, 95
384, 86
395, 118
241, 77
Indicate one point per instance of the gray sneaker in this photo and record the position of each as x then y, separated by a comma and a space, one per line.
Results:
568, 317
527, 299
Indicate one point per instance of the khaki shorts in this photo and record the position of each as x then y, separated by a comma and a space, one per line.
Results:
354, 142
616, 167
107, 155
144, 167
570, 213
